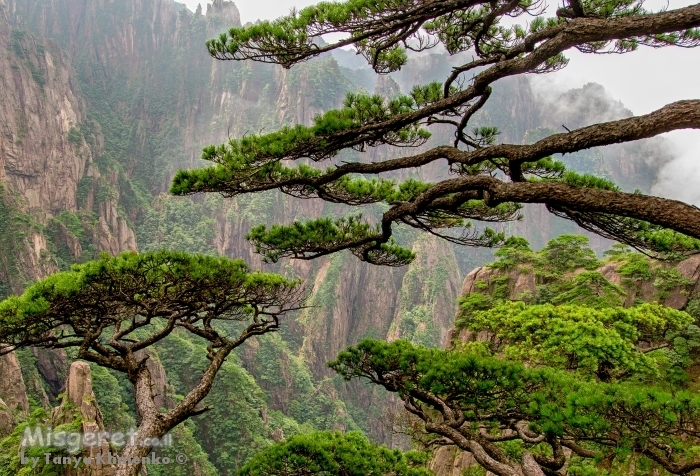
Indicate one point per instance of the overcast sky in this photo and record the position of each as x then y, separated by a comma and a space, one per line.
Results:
643, 80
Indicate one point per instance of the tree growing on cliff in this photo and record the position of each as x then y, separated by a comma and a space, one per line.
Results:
491, 181
333, 454
519, 421
113, 309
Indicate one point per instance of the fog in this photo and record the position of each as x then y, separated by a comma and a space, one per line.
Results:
643, 81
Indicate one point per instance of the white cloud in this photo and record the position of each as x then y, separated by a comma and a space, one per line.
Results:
680, 179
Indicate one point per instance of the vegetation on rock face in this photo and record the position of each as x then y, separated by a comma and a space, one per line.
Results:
493, 180
10, 464
334, 454
567, 271
16, 227
114, 309
174, 224
608, 343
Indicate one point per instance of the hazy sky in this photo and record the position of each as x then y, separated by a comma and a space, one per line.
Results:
643, 80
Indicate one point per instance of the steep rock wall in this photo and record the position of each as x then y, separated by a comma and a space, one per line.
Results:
44, 157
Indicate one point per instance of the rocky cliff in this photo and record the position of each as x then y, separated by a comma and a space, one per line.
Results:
79, 403
47, 173
46, 165
14, 404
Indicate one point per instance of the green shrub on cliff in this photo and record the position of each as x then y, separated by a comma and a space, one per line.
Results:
333, 454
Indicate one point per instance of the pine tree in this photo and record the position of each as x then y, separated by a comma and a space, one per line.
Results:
112, 310
491, 181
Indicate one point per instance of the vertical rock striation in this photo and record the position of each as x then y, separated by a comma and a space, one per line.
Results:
79, 403
13, 393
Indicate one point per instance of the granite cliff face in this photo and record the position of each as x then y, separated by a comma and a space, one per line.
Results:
14, 403
46, 165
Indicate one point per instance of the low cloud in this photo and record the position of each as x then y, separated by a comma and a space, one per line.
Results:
673, 158
680, 178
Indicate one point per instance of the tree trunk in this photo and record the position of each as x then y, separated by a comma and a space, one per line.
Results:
152, 426
129, 462
155, 424
530, 466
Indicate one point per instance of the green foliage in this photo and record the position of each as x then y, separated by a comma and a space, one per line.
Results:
105, 191
147, 278
72, 222
297, 238
571, 293
464, 377
382, 32
565, 273
417, 325
422, 294
606, 418
220, 291
235, 428
11, 451
588, 181
85, 185
546, 168
663, 243
668, 241
669, 279
79, 226
253, 151
472, 303
567, 253
185, 442
5, 290
332, 454
635, 267
116, 414
515, 250
589, 288
75, 136
558, 275
176, 224
593, 342
312, 238
288, 384
693, 308
563, 254
287, 35
379, 190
